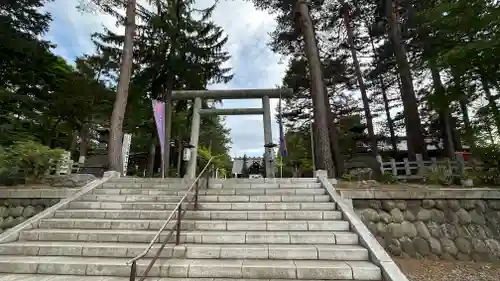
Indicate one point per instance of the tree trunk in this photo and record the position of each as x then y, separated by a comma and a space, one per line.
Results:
338, 157
84, 142
415, 139
120, 105
152, 156
359, 77
74, 142
491, 101
318, 94
390, 123
463, 102
443, 110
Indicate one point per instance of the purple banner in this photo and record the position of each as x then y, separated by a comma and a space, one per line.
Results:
159, 113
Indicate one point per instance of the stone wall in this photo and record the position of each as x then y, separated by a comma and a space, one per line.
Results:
448, 229
14, 211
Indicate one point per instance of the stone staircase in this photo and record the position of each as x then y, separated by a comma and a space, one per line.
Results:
286, 229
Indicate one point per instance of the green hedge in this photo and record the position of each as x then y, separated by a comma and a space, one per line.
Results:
26, 162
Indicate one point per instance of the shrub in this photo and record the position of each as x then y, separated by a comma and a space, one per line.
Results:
437, 175
28, 159
388, 178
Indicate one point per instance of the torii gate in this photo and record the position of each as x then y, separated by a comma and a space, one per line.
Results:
264, 94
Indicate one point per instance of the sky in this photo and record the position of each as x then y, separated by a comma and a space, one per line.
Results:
254, 64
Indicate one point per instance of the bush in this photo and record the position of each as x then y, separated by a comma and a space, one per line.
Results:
437, 175
28, 159
388, 178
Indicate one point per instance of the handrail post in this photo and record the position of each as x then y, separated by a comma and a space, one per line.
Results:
207, 179
133, 271
196, 191
178, 234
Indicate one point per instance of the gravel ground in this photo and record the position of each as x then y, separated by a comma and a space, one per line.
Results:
428, 270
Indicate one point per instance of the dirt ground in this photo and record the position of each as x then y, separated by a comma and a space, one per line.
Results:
428, 270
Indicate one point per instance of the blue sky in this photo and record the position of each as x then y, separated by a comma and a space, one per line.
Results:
253, 63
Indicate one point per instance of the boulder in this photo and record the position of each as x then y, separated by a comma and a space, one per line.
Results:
463, 245
397, 215
4, 212
477, 217
7, 223
435, 246
421, 246
384, 217
395, 230
401, 204
408, 247
422, 229
29, 212
463, 216
441, 204
468, 204
435, 229
450, 216
428, 203
448, 246
16, 211
409, 216
479, 246
424, 215
381, 228
454, 204
369, 215
494, 204
409, 229
437, 216
481, 206
388, 205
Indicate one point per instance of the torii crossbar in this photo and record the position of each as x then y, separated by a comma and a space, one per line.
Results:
264, 94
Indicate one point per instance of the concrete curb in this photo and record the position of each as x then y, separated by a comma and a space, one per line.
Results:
13, 233
38, 193
423, 193
390, 271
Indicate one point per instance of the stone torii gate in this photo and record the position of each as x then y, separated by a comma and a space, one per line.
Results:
264, 94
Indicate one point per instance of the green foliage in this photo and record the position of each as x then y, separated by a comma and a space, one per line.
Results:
437, 175
388, 178
31, 159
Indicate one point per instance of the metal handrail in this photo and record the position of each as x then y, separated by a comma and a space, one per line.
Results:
178, 209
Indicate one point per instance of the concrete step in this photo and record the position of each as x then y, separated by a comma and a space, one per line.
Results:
233, 225
208, 198
211, 191
51, 277
189, 251
213, 215
147, 205
211, 237
212, 184
193, 268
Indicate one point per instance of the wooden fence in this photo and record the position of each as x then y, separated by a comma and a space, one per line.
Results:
413, 170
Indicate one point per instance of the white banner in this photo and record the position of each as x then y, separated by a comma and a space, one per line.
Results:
127, 140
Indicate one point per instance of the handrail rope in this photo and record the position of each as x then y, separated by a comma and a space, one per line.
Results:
143, 254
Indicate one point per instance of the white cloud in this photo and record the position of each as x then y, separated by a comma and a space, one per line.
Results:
253, 63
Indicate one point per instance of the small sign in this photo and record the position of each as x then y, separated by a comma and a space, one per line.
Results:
186, 154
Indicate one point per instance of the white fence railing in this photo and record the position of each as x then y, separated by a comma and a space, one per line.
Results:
406, 169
